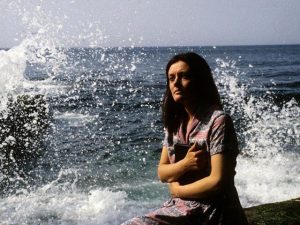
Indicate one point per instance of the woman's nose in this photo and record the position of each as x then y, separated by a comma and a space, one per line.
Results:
177, 81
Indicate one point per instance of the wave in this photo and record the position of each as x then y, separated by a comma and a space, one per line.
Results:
59, 200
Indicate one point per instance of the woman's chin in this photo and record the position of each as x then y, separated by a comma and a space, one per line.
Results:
179, 99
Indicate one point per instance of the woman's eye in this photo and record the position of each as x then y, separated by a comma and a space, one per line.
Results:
171, 78
186, 75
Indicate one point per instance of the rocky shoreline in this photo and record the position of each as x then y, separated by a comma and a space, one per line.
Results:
279, 213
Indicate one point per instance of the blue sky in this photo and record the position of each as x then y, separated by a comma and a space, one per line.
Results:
151, 22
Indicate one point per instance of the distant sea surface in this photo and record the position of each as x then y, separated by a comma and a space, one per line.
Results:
101, 151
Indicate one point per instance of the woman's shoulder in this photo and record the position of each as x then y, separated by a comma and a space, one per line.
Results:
217, 117
220, 115
213, 114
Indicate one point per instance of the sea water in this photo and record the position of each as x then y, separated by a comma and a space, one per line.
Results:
101, 150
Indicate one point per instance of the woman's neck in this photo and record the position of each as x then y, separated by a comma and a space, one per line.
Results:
191, 111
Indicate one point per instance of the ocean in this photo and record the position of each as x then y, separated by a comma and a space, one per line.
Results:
88, 153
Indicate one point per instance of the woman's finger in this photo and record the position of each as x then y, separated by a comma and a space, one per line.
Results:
193, 148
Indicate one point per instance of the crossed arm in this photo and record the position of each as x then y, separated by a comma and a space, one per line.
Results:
222, 171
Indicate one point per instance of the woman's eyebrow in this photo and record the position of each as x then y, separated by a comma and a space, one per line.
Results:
180, 72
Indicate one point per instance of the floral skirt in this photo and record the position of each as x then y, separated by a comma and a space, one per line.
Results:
178, 211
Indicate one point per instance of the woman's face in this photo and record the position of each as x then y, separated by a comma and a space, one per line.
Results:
180, 82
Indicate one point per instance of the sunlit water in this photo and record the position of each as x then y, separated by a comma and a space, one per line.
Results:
101, 150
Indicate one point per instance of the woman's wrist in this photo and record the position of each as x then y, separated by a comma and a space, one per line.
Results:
183, 165
175, 189
178, 191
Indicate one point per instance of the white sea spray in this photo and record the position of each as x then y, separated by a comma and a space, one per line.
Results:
60, 201
267, 168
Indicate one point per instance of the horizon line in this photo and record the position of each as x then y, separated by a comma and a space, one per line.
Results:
167, 46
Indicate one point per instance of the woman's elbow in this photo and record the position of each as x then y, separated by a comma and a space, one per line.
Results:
160, 176
164, 178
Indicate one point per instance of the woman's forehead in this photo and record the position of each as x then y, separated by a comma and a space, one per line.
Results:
179, 66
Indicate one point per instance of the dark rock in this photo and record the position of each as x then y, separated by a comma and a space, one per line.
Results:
279, 213
23, 127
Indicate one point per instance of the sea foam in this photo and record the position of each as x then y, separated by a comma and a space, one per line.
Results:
60, 202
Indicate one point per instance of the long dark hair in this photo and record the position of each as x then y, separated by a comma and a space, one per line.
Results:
208, 94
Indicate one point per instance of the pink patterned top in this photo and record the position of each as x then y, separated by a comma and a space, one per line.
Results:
208, 130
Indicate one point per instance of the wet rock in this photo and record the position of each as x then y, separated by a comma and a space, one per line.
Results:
279, 213
23, 127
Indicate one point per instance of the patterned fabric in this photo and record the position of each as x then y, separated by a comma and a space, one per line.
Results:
208, 130
213, 131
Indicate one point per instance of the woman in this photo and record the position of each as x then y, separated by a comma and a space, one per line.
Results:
202, 182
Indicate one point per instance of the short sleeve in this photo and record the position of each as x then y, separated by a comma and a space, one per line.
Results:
166, 139
223, 137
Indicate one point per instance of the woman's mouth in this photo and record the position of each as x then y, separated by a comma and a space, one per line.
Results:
177, 92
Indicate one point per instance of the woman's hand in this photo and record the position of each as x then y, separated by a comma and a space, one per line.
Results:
195, 159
